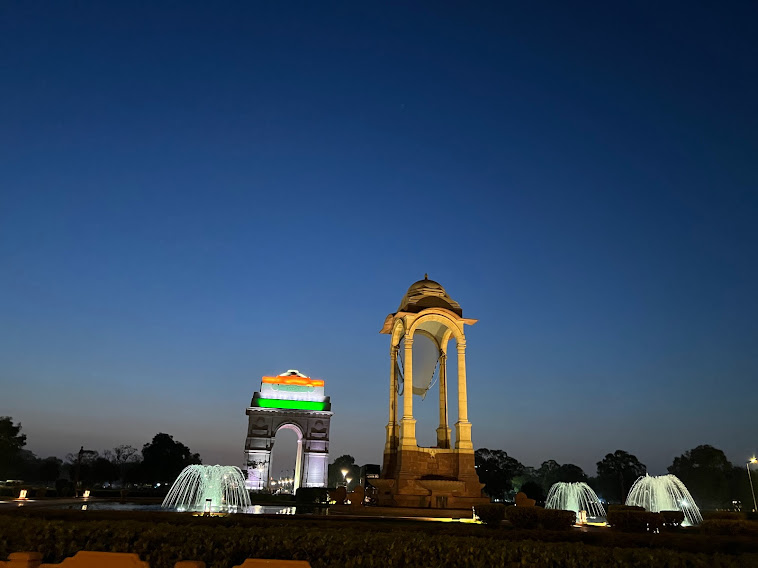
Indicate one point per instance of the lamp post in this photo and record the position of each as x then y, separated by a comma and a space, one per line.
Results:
82, 453
348, 480
750, 480
344, 479
260, 468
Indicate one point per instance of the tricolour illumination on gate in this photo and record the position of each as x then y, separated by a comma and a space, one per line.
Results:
292, 391
291, 404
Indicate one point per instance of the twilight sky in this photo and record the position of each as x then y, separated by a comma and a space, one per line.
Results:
193, 195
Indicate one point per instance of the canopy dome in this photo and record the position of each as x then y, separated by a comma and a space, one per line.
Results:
428, 294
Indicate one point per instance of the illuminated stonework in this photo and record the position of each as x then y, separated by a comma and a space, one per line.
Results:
412, 476
295, 402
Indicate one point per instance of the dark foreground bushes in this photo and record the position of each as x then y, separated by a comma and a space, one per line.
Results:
672, 519
328, 544
312, 496
730, 527
635, 521
491, 514
539, 518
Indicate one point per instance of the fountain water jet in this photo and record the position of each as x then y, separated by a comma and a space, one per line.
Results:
222, 485
664, 493
574, 497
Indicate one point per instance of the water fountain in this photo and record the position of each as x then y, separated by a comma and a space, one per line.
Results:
574, 497
208, 488
664, 493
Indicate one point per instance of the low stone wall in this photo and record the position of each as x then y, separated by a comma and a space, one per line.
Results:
88, 559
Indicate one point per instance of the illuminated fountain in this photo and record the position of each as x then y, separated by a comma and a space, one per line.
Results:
208, 488
664, 493
574, 497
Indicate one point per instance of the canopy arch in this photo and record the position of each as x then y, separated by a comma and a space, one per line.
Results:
427, 311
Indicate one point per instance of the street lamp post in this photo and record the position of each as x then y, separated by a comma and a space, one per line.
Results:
344, 478
750, 480
82, 453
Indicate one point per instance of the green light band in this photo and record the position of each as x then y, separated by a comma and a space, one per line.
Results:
291, 404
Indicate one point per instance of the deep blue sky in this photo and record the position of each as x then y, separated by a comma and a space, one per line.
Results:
193, 195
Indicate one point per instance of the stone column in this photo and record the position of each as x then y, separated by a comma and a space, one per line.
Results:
315, 466
257, 464
463, 426
408, 424
443, 432
392, 424
298, 465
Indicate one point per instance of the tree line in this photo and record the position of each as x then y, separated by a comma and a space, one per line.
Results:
159, 461
711, 478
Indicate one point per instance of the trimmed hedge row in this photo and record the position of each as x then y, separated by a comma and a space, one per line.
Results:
491, 514
539, 518
223, 546
526, 517
729, 527
672, 519
635, 521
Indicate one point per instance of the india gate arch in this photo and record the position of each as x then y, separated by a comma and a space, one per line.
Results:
442, 476
290, 401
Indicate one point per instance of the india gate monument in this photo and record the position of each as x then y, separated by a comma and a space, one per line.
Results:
442, 476
294, 402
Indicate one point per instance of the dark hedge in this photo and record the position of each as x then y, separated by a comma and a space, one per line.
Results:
327, 543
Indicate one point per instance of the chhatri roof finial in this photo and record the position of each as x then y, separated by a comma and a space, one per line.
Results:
426, 276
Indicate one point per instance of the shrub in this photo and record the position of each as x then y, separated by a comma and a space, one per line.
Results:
312, 495
490, 514
536, 517
557, 520
162, 539
654, 522
672, 519
730, 527
635, 521
64, 488
523, 517
624, 508
723, 515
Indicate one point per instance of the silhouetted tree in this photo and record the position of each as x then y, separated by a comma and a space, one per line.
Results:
104, 471
551, 472
616, 473
11, 445
570, 473
527, 474
164, 458
534, 490
546, 474
345, 461
496, 469
50, 469
125, 458
706, 472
